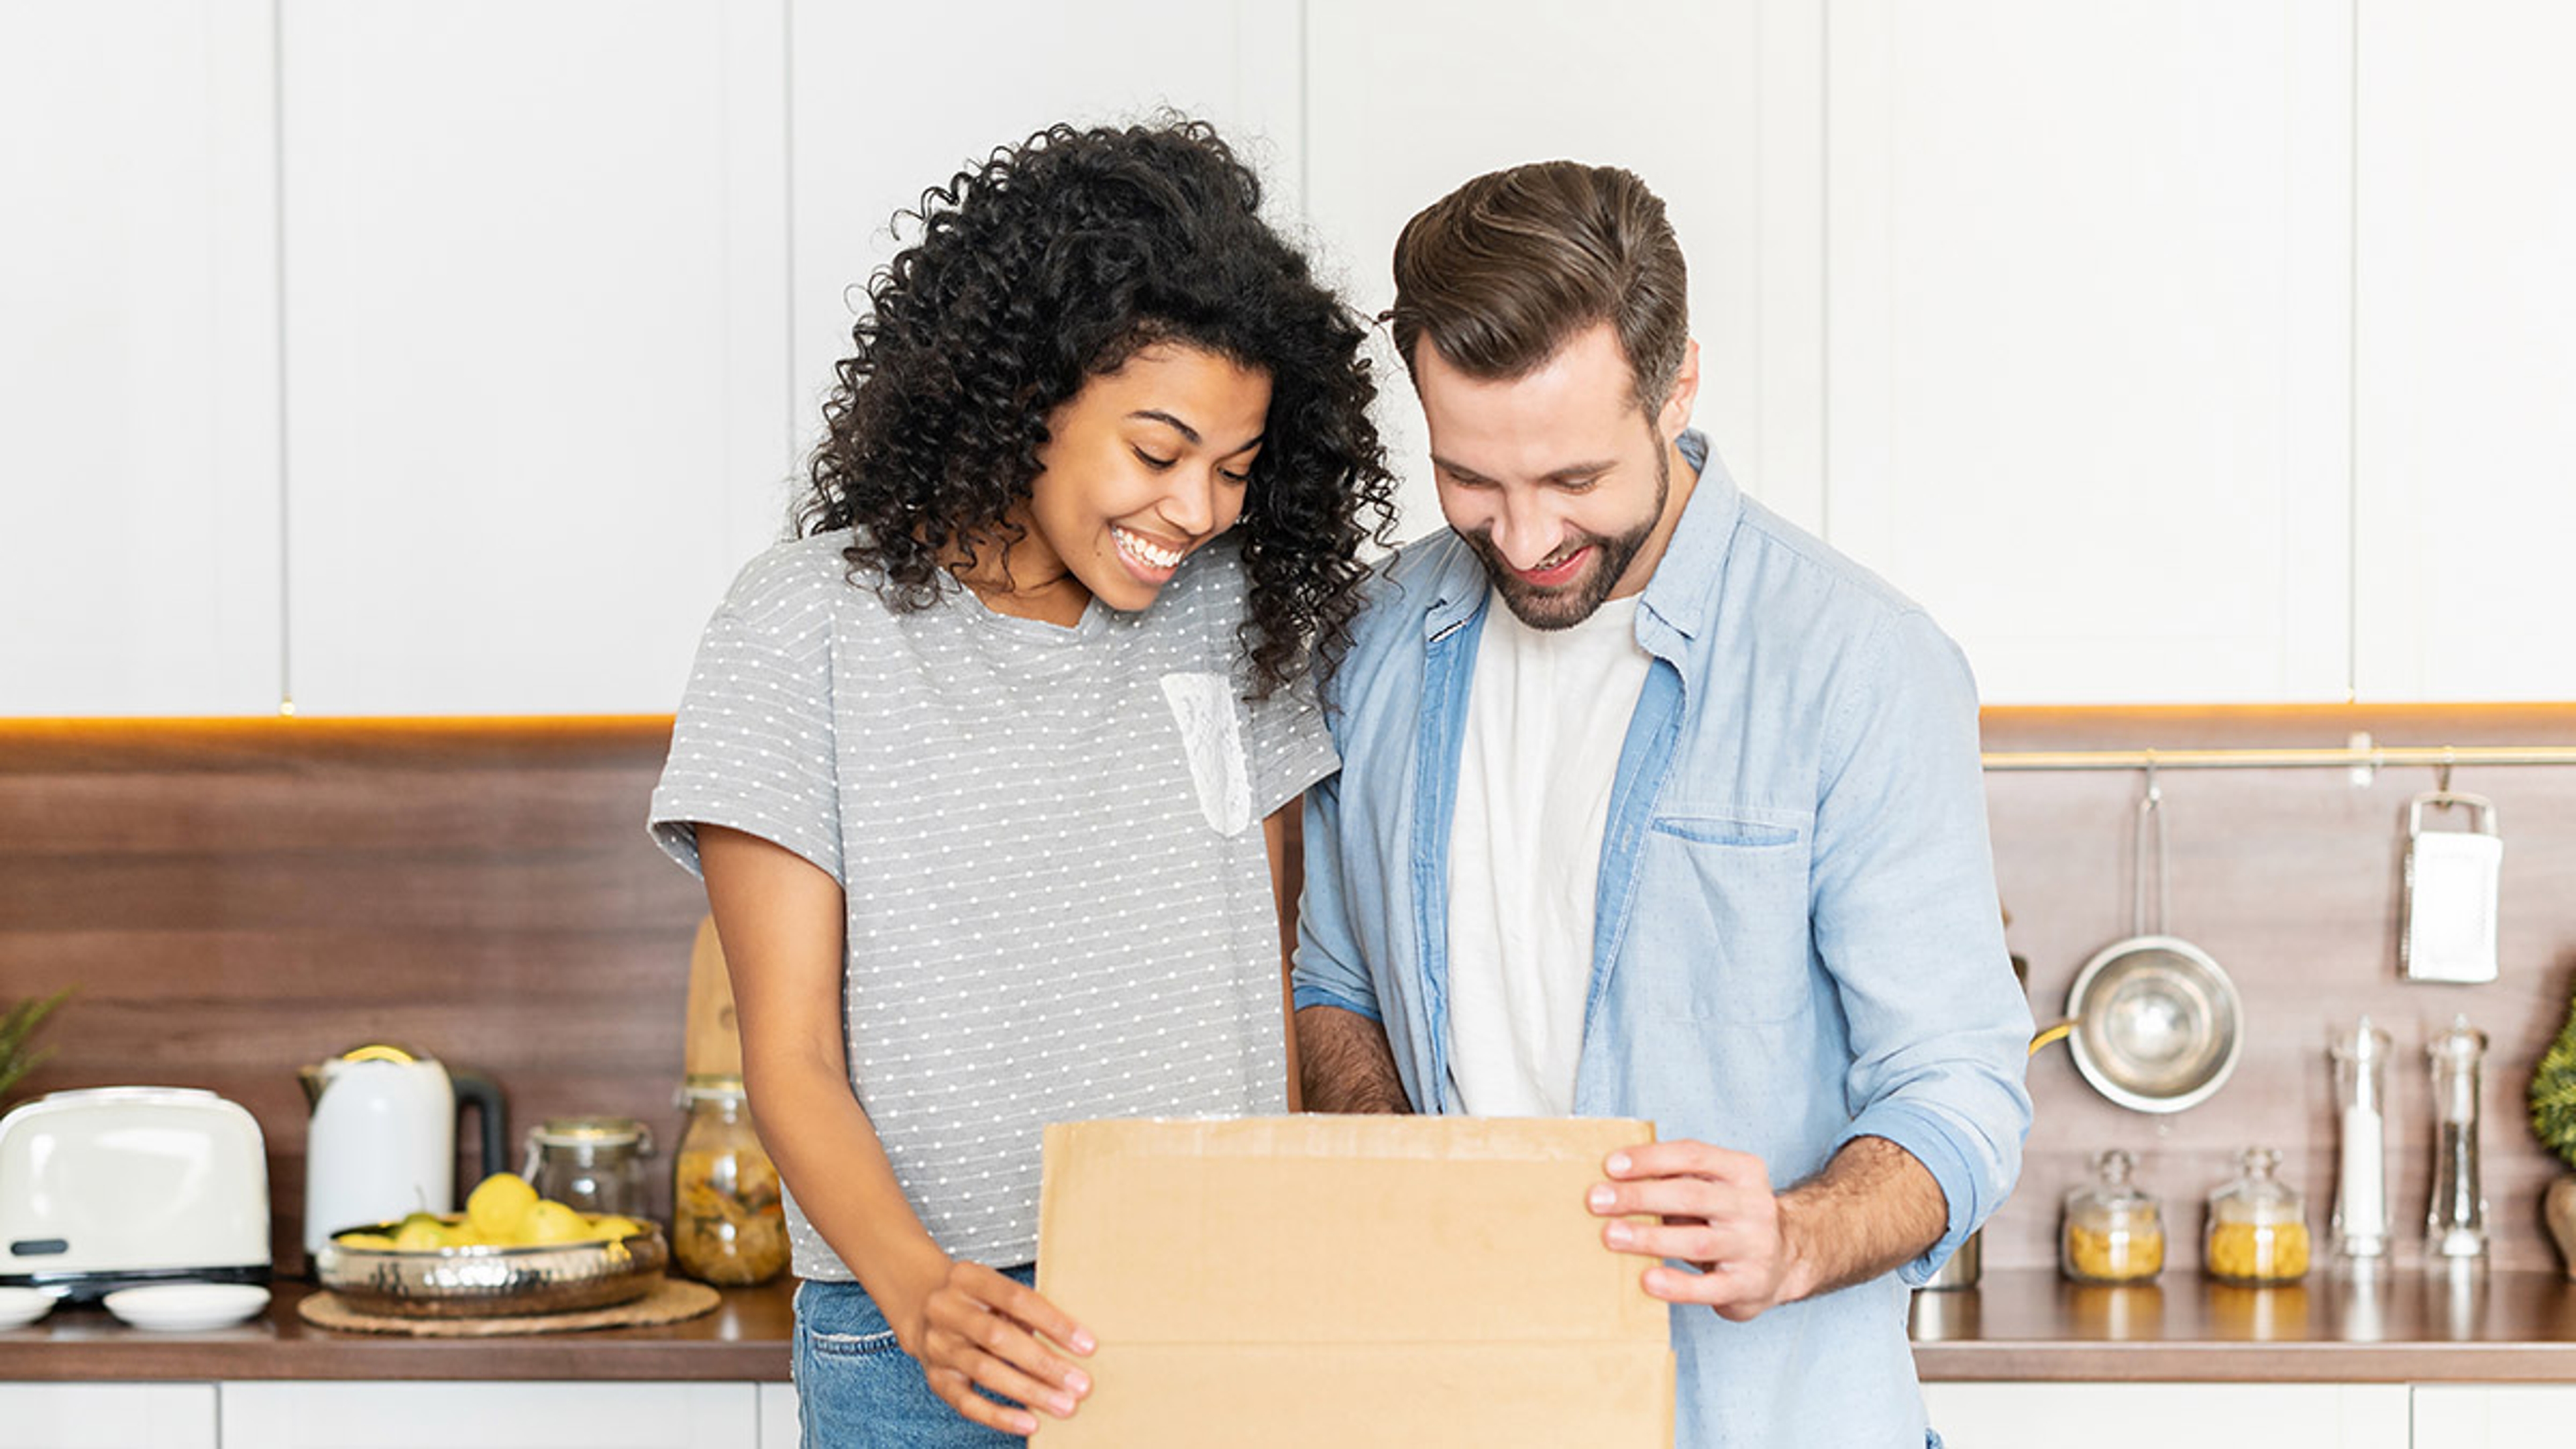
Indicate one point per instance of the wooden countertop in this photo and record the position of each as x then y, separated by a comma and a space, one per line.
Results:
2018, 1325
744, 1340
2408, 1326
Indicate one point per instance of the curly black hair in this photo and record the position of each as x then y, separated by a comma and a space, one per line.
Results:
1053, 262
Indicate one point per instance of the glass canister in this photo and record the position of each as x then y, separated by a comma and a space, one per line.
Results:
728, 1224
2258, 1226
2114, 1232
592, 1164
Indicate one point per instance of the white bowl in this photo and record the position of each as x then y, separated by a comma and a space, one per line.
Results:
187, 1307
22, 1306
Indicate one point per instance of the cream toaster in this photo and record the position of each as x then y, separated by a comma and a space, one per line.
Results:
108, 1187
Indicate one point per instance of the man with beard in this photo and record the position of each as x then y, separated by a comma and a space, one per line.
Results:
1690, 828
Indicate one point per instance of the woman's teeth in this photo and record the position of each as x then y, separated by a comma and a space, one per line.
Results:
1143, 552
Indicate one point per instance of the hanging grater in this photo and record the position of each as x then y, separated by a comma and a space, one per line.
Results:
2450, 927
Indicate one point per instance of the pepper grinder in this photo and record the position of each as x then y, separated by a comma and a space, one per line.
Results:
2361, 1182
2455, 1227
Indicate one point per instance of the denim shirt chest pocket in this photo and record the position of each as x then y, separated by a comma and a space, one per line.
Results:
1721, 910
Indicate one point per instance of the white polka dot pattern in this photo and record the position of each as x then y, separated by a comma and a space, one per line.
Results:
1043, 923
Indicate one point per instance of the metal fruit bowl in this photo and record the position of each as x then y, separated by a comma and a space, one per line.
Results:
492, 1282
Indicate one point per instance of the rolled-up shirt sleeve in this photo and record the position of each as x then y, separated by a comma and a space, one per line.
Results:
1907, 921
1330, 970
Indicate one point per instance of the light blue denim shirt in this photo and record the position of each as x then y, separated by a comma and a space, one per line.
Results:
1796, 937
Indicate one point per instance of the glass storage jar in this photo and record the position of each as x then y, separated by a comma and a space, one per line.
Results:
594, 1164
2114, 1232
2258, 1226
728, 1226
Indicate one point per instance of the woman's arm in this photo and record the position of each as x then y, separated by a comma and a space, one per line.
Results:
780, 920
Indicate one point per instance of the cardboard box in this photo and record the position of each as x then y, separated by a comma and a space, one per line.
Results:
1350, 1281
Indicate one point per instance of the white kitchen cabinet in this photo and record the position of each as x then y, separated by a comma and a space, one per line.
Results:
2465, 351
2157, 1416
2088, 358
891, 100
107, 1416
139, 544
2492, 1416
1714, 105
779, 1427
535, 344
359, 1415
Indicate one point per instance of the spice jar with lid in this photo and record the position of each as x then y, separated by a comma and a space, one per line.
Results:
2114, 1232
2258, 1226
728, 1224
593, 1164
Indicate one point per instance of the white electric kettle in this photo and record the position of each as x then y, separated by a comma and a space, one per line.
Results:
382, 1142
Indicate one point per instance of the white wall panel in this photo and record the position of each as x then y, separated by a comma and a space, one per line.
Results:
536, 279
2089, 283
2466, 369
139, 565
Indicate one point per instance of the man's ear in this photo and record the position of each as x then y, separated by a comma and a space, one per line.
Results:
1676, 411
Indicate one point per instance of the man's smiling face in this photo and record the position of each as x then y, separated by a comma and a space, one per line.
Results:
1557, 479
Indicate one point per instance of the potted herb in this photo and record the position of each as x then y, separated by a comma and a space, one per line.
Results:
18, 1054
2553, 1120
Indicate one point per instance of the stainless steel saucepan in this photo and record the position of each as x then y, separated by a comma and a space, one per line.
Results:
2153, 1020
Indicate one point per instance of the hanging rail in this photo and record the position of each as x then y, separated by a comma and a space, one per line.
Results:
2358, 757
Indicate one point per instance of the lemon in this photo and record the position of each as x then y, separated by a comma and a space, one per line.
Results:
610, 1227
377, 1241
499, 1206
551, 1222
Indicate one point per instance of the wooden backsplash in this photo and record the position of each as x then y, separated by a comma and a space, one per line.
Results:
234, 899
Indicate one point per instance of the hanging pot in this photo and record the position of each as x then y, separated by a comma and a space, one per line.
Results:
2153, 1020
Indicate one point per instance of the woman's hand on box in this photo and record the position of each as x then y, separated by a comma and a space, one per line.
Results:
981, 1329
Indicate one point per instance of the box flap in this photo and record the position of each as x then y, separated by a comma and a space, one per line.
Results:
1339, 1230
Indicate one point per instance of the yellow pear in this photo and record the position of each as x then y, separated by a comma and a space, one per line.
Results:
498, 1205
420, 1234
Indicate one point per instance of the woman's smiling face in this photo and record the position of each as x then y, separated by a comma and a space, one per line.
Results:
1140, 468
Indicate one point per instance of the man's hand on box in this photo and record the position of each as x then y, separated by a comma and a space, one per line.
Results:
1874, 1208
980, 1328
1715, 1211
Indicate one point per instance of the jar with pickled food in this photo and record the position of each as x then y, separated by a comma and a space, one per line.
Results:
728, 1223
2114, 1232
2258, 1228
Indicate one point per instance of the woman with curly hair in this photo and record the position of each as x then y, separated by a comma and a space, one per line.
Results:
984, 771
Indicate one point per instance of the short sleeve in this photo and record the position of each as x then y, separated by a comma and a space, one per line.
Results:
1286, 745
752, 749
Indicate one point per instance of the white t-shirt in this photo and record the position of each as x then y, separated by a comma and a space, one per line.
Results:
1546, 715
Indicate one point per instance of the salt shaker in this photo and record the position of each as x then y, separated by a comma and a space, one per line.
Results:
2361, 1183
2455, 1227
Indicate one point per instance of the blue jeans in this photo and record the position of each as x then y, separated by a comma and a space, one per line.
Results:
857, 1389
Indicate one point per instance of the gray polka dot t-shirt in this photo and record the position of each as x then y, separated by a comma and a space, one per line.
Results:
1050, 843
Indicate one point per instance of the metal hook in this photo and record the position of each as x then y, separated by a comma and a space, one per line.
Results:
2442, 779
2150, 809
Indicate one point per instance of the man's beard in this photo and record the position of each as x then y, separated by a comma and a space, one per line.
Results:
1571, 604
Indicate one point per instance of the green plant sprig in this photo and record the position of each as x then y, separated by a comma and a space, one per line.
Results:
2553, 1092
18, 1027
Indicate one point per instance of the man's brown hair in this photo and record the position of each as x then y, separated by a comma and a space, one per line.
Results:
1503, 271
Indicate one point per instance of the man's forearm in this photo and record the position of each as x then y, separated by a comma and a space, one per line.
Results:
1871, 1211
1346, 1064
